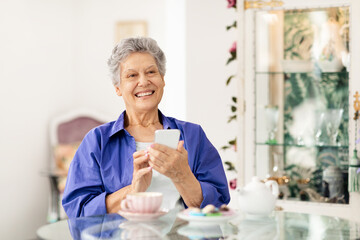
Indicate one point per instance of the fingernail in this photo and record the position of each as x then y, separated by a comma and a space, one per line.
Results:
150, 168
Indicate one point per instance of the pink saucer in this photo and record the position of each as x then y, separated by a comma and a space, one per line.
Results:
133, 216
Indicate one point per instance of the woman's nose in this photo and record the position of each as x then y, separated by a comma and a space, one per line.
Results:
143, 80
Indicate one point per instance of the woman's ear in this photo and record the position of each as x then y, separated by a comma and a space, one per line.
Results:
118, 90
162, 76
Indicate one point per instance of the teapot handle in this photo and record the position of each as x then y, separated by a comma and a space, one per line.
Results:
273, 185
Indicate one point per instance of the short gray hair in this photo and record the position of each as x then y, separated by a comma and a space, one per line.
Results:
131, 45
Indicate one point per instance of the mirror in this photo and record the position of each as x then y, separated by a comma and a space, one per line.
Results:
301, 99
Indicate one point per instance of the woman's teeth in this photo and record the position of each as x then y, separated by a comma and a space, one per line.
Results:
144, 94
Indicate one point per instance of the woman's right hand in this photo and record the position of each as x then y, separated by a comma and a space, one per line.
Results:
142, 173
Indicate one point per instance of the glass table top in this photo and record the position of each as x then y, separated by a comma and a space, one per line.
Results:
280, 225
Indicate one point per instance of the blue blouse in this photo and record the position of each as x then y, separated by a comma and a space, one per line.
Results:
103, 164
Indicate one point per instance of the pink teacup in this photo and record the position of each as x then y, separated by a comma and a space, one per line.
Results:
142, 202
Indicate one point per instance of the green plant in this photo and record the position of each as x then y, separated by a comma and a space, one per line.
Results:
298, 35
232, 51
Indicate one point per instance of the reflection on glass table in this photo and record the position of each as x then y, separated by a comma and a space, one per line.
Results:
279, 225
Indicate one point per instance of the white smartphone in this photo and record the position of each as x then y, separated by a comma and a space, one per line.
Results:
168, 137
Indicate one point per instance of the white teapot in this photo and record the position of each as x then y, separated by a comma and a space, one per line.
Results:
258, 198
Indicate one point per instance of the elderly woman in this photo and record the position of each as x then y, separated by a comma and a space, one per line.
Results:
119, 157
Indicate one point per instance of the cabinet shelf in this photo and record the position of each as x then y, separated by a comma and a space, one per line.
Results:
345, 73
301, 146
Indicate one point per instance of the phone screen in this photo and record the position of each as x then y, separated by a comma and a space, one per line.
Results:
168, 137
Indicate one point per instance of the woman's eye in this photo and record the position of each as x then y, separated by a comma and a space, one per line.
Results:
131, 75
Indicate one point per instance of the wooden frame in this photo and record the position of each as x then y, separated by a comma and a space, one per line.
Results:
125, 29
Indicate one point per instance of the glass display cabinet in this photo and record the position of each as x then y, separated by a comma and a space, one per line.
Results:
301, 101
295, 103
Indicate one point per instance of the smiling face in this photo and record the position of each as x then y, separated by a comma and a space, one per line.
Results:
141, 84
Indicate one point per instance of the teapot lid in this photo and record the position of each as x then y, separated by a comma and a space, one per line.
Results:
255, 179
255, 183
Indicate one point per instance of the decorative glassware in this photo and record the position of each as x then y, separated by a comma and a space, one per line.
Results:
330, 47
319, 123
332, 175
272, 116
303, 127
278, 170
296, 130
333, 119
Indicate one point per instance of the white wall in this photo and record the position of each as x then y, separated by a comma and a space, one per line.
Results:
53, 59
35, 83
94, 39
174, 100
208, 99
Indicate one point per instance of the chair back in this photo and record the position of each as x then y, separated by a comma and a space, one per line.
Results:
72, 127
66, 133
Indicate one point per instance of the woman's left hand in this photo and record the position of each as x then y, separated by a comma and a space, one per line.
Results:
173, 163
170, 162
